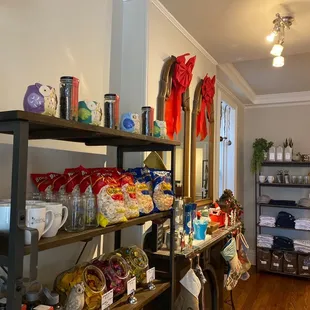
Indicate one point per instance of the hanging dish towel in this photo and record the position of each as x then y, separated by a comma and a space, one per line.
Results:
190, 289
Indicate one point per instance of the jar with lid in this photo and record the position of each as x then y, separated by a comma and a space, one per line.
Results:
90, 209
115, 270
69, 97
111, 111
76, 214
137, 261
93, 280
32, 300
147, 121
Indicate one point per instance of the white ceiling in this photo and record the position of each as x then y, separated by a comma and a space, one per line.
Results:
234, 31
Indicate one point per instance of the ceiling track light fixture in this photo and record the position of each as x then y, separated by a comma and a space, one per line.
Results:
280, 24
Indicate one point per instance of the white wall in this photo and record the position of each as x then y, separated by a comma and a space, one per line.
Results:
41, 41
274, 123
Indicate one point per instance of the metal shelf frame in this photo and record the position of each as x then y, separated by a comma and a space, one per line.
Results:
24, 126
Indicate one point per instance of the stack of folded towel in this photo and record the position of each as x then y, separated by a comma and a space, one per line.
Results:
302, 246
265, 241
283, 243
304, 202
285, 220
302, 223
269, 221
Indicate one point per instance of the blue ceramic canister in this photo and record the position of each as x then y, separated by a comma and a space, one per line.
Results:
187, 224
90, 112
130, 122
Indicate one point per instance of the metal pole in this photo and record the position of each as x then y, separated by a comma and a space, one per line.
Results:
18, 214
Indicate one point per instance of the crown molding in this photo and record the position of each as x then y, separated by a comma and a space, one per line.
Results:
186, 34
234, 75
283, 98
228, 92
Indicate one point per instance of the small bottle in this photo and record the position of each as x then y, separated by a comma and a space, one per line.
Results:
200, 227
147, 121
110, 111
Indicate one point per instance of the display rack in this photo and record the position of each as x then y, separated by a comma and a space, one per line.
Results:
259, 206
25, 126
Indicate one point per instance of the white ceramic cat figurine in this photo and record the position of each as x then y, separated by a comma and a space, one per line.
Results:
76, 300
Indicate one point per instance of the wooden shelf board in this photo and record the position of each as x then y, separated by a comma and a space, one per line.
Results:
64, 238
47, 127
267, 205
286, 163
284, 273
144, 296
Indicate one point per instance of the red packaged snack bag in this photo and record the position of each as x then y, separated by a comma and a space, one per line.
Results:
59, 182
109, 197
74, 178
85, 184
42, 182
130, 196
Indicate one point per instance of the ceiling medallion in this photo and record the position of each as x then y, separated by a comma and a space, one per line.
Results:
280, 24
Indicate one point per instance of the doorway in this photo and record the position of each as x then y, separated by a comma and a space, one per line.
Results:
227, 148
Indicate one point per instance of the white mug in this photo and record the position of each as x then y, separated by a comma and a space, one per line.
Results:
5, 216
60, 217
262, 179
36, 217
270, 179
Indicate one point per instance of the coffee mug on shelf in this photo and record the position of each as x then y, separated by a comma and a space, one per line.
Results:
37, 217
60, 216
270, 179
293, 179
306, 179
5, 215
262, 179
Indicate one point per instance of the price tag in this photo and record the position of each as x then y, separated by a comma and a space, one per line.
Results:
271, 156
290, 266
131, 285
305, 267
263, 262
287, 156
150, 275
276, 264
279, 157
107, 300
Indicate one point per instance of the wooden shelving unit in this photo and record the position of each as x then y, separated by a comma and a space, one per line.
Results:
25, 126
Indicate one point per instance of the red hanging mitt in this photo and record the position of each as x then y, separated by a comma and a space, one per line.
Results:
180, 81
207, 91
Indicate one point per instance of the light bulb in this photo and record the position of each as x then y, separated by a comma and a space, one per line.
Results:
271, 37
278, 61
277, 50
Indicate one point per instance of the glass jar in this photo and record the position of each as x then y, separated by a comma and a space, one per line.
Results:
116, 272
147, 121
93, 280
76, 214
110, 111
137, 261
90, 209
69, 97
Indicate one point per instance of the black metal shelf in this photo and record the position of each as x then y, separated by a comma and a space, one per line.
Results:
25, 126
297, 207
283, 228
284, 185
286, 164
284, 273
47, 127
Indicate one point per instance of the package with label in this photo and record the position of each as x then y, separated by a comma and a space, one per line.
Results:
277, 261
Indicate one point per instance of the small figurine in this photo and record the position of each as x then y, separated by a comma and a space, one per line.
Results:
90, 112
40, 99
76, 300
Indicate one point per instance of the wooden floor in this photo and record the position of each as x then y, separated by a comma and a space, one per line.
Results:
274, 292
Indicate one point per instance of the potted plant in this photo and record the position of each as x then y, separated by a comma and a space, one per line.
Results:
260, 147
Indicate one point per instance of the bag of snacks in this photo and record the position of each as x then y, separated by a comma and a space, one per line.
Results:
130, 196
162, 190
59, 182
109, 198
144, 199
42, 182
93, 280
74, 177
148, 179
